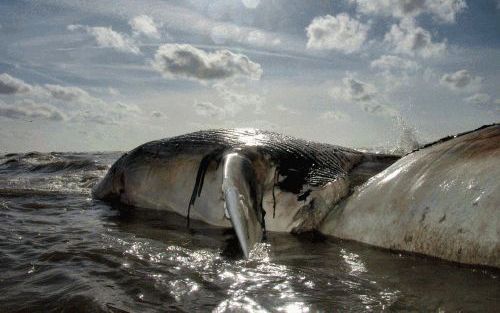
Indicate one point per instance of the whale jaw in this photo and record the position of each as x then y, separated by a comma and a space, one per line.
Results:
241, 202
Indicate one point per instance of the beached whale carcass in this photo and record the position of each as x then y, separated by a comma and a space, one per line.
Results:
249, 179
442, 200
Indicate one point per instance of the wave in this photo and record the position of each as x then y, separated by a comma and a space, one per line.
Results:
48, 163
65, 165
29, 192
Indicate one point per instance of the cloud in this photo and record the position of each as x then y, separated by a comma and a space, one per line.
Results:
392, 62
101, 112
123, 107
479, 99
182, 61
12, 85
443, 10
144, 24
92, 117
207, 109
113, 91
29, 109
446, 10
363, 94
285, 109
156, 114
235, 98
408, 38
106, 37
79, 104
396, 8
224, 33
66, 93
251, 4
86, 107
461, 81
341, 33
265, 125
335, 115
353, 90
261, 39
485, 102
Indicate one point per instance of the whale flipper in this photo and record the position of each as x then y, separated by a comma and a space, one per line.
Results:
241, 200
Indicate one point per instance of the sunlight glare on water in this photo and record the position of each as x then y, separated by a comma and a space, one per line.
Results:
61, 250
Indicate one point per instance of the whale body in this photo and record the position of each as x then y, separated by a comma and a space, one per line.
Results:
248, 179
442, 200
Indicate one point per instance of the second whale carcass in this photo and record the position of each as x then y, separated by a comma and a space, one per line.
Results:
442, 200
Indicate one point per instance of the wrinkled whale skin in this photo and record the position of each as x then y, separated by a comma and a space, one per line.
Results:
442, 200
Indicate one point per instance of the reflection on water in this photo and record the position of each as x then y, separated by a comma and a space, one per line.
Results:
62, 251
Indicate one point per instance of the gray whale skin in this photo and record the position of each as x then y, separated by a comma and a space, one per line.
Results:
442, 200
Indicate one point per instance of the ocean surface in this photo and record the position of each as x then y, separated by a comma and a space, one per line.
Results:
62, 251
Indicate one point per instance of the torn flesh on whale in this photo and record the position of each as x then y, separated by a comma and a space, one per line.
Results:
263, 180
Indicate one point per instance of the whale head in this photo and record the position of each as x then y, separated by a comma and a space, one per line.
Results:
111, 186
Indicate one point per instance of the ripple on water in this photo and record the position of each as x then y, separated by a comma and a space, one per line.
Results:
62, 251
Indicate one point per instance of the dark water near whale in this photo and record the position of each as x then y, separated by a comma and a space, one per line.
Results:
61, 251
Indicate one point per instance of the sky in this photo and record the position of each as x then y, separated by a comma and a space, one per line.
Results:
109, 75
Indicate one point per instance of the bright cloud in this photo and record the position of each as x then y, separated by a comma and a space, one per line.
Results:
66, 93
261, 39
364, 94
251, 4
461, 81
12, 85
392, 62
224, 33
210, 110
144, 24
479, 99
235, 97
182, 61
340, 32
443, 10
335, 115
106, 37
354, 90
29, 109
408, 38
31, 103
156, 114
446, 10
